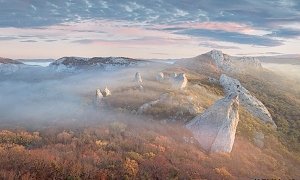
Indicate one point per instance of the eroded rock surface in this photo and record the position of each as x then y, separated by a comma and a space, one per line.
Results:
221, 60
251, 103
215, 129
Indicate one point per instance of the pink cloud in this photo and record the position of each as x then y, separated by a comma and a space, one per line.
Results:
224, 26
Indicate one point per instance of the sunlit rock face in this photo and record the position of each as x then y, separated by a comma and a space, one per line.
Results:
251, 103
221, 60
215, 129
138, 78
106, 92
179, 82
228, 63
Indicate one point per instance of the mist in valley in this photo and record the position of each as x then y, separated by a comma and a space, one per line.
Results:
47, 112
289, 71
38, 97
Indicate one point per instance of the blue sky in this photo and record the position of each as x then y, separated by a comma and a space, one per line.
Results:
147, 29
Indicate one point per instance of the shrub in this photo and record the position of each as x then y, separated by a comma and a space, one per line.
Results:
131, 167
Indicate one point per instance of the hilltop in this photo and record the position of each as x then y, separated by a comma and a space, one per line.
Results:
214, 116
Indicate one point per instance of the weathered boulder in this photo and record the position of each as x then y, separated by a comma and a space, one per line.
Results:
215, 129
106, 92
251, 103
179, 82
138, 78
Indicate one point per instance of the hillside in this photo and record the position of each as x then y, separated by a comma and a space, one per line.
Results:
71, 128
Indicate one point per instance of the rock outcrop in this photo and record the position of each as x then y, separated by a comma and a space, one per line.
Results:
106, 92
179, 81
99, 96
221, 60
251, 103
138, 78
215, 129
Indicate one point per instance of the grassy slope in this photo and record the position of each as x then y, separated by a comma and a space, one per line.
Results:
145, 149
282, 100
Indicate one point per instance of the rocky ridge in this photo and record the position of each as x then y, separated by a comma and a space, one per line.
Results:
106, 63
250, 102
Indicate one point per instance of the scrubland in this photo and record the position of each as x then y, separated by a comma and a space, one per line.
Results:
132, 149
113, 141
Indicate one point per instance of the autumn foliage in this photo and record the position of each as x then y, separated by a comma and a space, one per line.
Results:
134, 150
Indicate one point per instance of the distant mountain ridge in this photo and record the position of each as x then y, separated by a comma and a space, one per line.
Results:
9, 61
8, 66
72, 63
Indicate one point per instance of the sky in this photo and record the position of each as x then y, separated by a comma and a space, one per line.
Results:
147, 28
